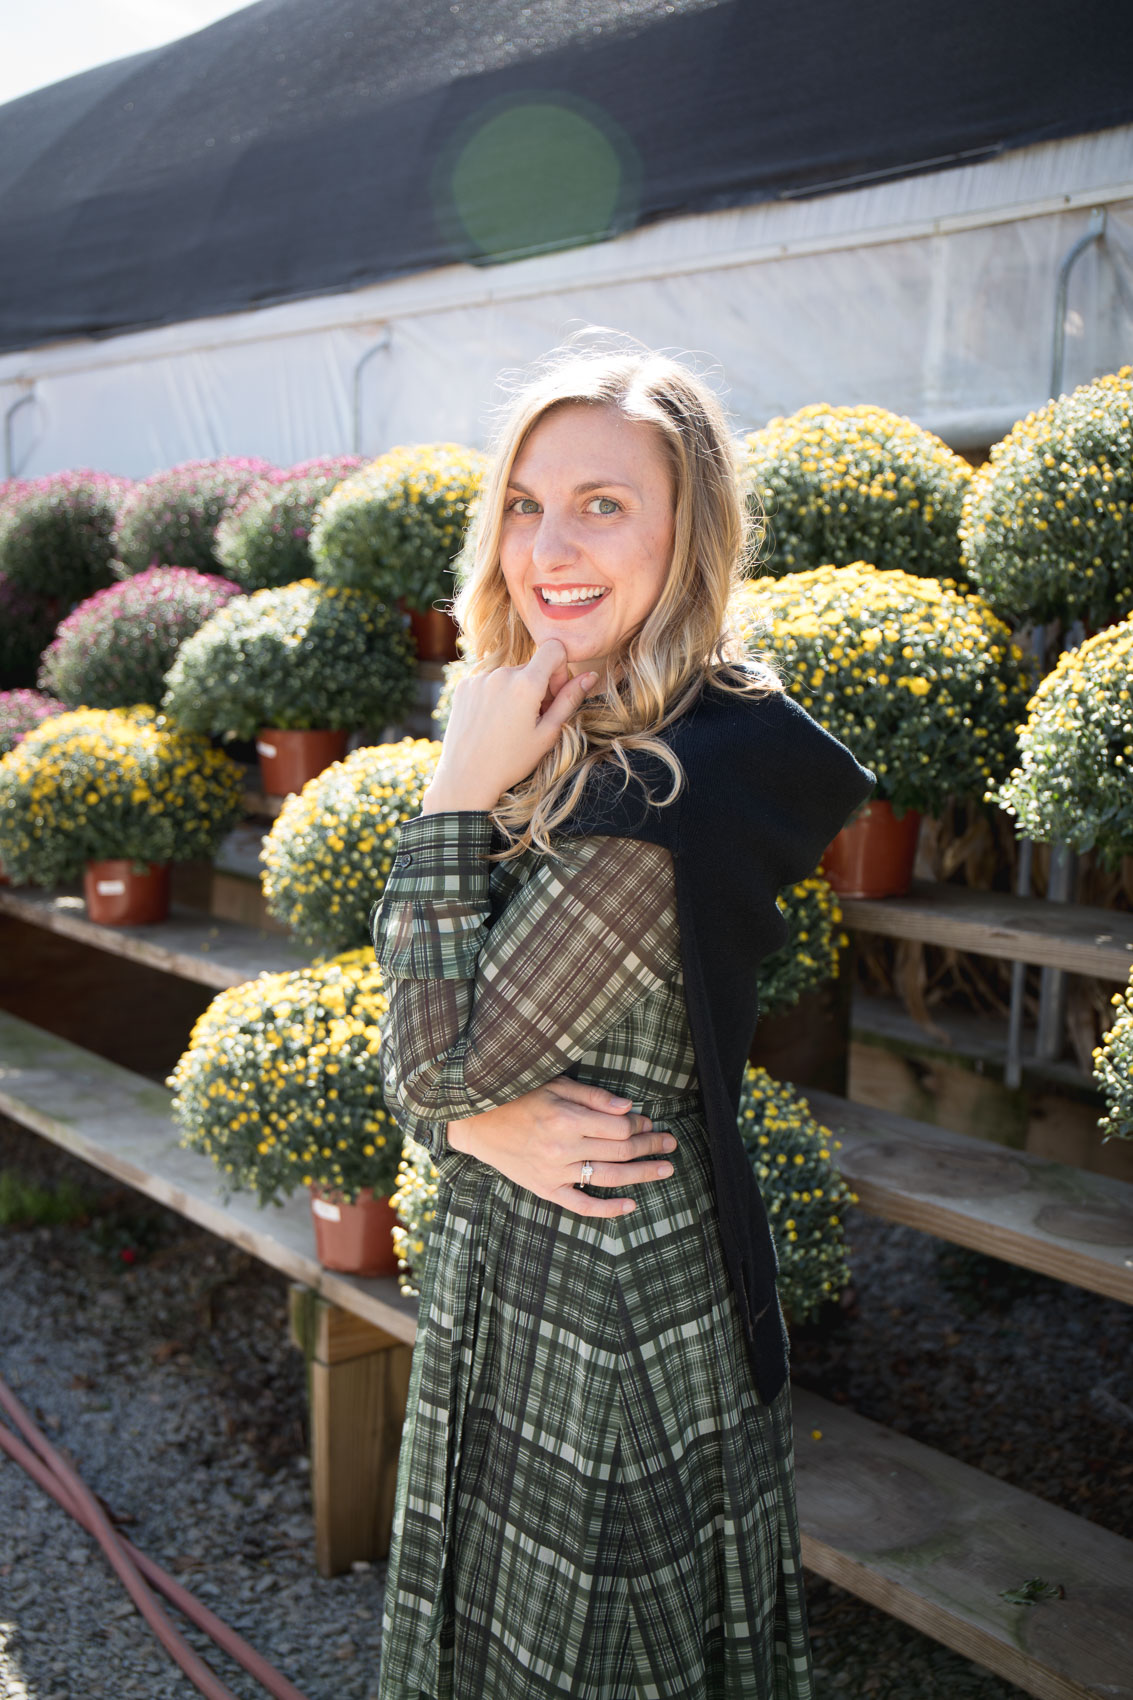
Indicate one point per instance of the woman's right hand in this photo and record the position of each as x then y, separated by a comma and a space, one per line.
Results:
541, 1140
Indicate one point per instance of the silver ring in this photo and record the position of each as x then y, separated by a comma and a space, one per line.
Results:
587, 1171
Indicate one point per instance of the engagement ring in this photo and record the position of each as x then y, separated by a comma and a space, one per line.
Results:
587, 1171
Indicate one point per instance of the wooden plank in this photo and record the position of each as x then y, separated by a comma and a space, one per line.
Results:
1070, 936
935, 1543
258, 804
121, 1124
1050, 1217
357, 1397
192, 945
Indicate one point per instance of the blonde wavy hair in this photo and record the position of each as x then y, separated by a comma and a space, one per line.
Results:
687, 637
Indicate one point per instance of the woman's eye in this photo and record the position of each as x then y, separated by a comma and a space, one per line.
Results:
523, 505
604, 505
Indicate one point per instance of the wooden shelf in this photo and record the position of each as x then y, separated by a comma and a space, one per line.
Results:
191, 944
1069, 936
121, 1124
1050, 1217
935, 1542
927, 1539
261, 806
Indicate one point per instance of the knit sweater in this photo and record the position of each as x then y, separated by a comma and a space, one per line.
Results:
766, 790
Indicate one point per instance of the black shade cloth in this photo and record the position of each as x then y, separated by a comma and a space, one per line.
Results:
767, 789
305, 146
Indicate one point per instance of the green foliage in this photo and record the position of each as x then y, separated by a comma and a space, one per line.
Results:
98, 783
56, 534
920, 680
1113, 1069
262, 540
396, 527
302, 657
26, 1204
1047, 529
791, 1157
1075, 783
327, 856
845, 484
281, 1083
115, 649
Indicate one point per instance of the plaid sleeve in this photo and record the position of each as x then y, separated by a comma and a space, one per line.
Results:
432, 919
590, 933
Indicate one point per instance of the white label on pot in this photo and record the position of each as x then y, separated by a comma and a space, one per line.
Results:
263, 749
328, 1212
110, 888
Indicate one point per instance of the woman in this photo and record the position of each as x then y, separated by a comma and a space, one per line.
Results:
595, 1493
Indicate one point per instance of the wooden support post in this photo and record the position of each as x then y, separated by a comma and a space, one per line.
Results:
357, 1380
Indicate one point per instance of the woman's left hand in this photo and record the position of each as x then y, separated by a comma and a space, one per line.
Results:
501, 726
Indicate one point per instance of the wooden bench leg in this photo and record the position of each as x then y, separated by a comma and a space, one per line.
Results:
357, 1380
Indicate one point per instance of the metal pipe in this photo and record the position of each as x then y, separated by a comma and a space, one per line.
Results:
1069, 260
1063, 862
20, 401
363, 361
1013, 1067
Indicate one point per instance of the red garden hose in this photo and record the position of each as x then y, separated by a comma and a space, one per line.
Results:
134, 1569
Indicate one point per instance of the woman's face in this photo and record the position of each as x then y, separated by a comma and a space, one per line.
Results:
587, 532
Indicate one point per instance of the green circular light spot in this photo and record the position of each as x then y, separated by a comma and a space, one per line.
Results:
536, 176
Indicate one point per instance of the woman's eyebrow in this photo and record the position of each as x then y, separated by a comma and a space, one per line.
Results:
579, 489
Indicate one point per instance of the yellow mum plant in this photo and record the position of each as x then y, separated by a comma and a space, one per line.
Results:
100, 783
1113, 1069
1075, 781
281, 1083
396, 527
847, 484
1047, 528
918, 678
327, 857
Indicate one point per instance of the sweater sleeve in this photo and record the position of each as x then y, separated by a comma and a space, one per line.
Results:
479, 1014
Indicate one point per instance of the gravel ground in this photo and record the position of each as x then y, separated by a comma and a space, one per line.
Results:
157, 1358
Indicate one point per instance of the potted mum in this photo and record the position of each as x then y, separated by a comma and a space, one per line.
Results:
920, 680
281, 1087
1047, 528
1113, 1069
298, 668
803, 1031
1074, 782
395, 529
56, 535
844, 484
329, 853
173, 516
26, 624
20, 711
791, 1156
116, 796
262, 540
115, 648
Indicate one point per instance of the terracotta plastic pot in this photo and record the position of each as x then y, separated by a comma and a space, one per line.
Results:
289, 759
874, 855
435, 634
354, 1238
121, 893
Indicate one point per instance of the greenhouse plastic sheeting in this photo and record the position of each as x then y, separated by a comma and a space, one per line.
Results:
932, 295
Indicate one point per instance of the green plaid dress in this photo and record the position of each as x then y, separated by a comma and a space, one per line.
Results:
592, 1501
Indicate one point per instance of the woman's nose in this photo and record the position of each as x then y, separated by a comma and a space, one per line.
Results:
553, 544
